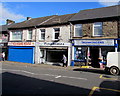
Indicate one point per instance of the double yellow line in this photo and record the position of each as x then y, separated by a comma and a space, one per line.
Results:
94, 88
101, 76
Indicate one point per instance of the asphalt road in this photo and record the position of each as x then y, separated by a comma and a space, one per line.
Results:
24, 79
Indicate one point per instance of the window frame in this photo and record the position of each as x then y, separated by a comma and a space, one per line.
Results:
75, 30
56, 32
40, 34
93, 33
29, 34
11, 35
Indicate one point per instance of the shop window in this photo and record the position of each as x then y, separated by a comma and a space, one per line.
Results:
78, 30
16, 35
97, 29
56, 33
80, 54
29, 34
42, 34
42, 54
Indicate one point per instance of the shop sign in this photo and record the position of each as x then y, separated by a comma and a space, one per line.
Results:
53, 44
94, 42
21, 43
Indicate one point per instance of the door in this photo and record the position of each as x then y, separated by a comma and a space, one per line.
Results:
21, 54
94, 53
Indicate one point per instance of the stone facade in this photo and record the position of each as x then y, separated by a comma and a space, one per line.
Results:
110, 30
87, 29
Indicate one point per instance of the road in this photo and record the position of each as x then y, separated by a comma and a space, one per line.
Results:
49, 80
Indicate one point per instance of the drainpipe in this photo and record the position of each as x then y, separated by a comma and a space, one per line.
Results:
116, 46
72, 46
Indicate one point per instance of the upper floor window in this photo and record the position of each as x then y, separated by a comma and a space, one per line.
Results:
29, 34
97, 29
16, 35
56, 33
42, 34
78, 30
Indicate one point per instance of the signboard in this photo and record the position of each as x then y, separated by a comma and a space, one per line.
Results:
21, 43
97, 42
53, 44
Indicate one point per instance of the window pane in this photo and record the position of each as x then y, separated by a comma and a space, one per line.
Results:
17, 35
56, 35
98, 29
57, 29
42, 34
14, 35
78, 30
30, 34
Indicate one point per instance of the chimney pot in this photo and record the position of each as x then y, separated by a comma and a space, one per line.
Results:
28, 18
8, 21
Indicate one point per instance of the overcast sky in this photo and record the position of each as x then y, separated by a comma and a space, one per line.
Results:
18, 11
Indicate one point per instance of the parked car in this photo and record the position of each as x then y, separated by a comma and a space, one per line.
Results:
113, 63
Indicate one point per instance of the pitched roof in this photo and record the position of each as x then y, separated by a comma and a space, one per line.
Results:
32, 22
61, 19
103, 12
48, 20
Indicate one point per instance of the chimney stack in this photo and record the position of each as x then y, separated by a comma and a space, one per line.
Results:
28, 18
8, 21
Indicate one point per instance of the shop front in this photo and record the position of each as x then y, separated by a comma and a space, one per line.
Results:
89, 51
21, 52
52, 52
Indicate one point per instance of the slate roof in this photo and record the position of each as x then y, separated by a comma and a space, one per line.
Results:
61, 19
32, 22
43, 21
103, 12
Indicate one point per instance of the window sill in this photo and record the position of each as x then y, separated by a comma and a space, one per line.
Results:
15, 40
97, 35
42, 40
55, 40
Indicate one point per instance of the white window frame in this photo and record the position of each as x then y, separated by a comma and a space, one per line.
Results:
40, 32
56, 32
94, 27
75, 30
29, 34
11, 35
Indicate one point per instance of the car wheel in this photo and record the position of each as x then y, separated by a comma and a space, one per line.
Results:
114, 71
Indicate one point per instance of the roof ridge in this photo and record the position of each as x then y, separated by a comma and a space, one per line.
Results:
99, 8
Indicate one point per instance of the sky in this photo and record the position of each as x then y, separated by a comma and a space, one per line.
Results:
18, 11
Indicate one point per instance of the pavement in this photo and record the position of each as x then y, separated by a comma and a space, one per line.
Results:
42, 79
50, 66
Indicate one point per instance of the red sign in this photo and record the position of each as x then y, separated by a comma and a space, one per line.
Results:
21, 43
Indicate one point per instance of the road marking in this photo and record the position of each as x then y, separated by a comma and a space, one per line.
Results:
94, 88
101, 76
74, 77
92, 91
56, 76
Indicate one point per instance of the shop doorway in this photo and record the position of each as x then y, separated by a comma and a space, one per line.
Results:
94, 54
55, 55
